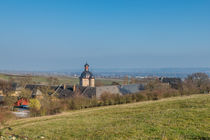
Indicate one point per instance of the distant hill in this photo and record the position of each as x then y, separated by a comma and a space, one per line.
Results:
120, 72
173, 118
44, 79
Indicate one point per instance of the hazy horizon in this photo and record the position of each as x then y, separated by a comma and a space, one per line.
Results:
52, 35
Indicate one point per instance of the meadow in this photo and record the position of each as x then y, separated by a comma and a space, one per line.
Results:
186, 117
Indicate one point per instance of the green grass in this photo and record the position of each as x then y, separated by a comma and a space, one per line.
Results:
173, 118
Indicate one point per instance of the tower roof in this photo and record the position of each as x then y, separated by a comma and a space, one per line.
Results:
86, 74
86, 65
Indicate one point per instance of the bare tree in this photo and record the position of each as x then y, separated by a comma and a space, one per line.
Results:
25, 80
154, 84
25, 94
125, 80
6, 87
133, 80
198, 80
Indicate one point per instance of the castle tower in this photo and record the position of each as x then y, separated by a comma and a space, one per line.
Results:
87, 79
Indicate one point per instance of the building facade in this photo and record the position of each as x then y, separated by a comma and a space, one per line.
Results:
87, 79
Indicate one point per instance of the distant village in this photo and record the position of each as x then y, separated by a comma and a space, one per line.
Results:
86, 87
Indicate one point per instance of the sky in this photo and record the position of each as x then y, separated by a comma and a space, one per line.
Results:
64, 34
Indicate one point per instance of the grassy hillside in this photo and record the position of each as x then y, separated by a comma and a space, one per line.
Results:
174, 118
40, 79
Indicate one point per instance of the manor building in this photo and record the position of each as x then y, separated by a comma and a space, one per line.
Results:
86, 88
87, 79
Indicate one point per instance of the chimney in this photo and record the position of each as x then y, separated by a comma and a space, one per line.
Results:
64, 86
74, 88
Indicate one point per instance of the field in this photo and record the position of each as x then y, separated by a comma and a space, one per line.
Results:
185, 117
61, 79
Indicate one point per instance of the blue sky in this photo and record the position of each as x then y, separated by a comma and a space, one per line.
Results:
64, 34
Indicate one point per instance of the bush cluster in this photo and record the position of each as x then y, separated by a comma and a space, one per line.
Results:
52, 105
155, 90
113, 99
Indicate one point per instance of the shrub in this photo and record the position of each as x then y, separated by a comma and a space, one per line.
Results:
128, 98
72, 105
100, 103
25, 94
140, 97
105, 98
80, 102
9, 101
117, 99
113, 99
51, 105
133, 96
35, 106
122, 99
93, 102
